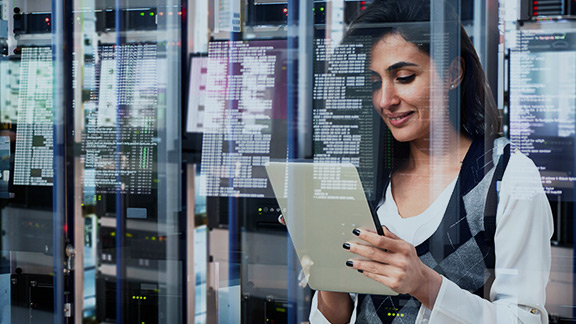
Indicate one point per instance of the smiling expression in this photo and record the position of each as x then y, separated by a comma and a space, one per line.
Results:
401, 78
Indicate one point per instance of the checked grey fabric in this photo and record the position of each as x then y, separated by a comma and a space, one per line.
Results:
462, 248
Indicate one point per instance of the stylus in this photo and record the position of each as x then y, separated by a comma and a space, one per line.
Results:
375, 218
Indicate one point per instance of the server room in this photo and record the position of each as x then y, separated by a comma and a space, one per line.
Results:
287, 161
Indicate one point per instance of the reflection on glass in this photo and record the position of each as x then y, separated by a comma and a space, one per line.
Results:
245, 117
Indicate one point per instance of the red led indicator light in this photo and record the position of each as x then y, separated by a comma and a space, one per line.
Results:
47, 19
535, 8
285, 10
179, 13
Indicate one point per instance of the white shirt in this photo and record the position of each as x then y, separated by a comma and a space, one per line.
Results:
419, 228
522, 246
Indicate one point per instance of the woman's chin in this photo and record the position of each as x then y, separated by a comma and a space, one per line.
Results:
403, 138
409, 134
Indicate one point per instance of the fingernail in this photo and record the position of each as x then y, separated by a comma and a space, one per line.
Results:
346, 246
361, 271
356, 232
349, 263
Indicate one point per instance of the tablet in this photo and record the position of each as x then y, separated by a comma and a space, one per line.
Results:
322, 203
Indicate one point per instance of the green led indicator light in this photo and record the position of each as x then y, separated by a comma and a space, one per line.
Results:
259, 209
151, 14
321, 8
142, 14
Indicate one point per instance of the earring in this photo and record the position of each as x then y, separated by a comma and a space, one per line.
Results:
451, 86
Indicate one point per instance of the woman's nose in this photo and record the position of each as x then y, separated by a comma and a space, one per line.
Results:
387, 96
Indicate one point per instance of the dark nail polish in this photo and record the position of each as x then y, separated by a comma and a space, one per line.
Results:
346, 246
356, 232
349, 263
361, 271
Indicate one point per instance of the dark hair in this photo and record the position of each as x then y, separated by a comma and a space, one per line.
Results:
478, 115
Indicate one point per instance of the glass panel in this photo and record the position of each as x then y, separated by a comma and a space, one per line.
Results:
127, 135
391, 112
31, 216
151, 150
541, 125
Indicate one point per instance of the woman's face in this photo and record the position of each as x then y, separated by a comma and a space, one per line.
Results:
401, 80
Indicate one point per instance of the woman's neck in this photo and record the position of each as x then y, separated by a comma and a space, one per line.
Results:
426, 157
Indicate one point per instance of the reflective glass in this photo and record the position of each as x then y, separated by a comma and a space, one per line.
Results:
287, 161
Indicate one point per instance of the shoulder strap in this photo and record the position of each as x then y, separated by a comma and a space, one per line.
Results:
492, 198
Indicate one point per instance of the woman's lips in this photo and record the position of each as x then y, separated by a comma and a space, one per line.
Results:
398, 120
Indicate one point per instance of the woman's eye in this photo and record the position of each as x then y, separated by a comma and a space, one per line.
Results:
376, 85
406, 79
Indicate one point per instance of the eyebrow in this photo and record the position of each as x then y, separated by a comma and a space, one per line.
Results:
399, 65
393, 67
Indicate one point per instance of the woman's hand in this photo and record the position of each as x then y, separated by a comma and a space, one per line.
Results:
395, 263
336, 307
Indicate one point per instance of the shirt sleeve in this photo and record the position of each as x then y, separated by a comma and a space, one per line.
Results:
316, 316
523, 255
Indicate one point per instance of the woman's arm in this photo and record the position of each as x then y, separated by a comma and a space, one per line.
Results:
317, 317
336, 307
522, 242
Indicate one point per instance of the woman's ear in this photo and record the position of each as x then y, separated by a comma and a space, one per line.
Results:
456, 72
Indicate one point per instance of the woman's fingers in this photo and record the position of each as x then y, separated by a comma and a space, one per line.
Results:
386, 281
390, 243
369, 252
372, 267
389, 234
383, 273
386, 232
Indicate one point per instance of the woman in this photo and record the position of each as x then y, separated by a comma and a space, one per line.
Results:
442, 243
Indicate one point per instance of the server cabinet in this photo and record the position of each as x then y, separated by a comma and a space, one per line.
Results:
90, 183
